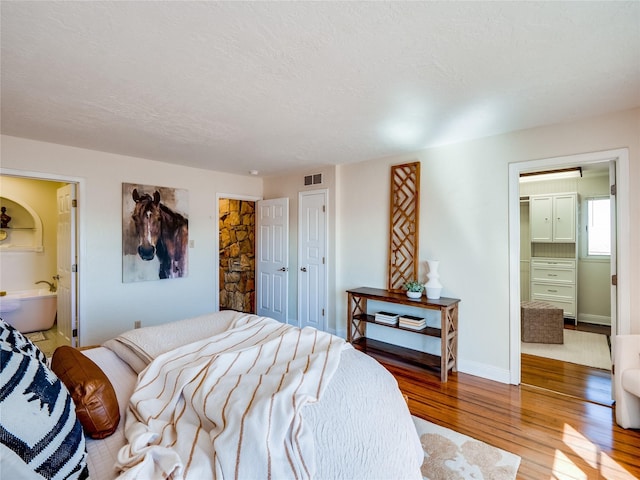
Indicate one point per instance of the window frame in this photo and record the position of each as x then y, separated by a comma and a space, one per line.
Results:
585, 217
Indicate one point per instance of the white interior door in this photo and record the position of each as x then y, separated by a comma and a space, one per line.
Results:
66, 270
312, 262
272, 252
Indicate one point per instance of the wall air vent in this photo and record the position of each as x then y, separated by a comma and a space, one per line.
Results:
315, 179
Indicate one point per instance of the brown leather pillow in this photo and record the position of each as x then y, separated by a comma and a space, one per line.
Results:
91, 391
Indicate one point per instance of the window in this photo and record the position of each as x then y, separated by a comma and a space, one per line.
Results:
598, 226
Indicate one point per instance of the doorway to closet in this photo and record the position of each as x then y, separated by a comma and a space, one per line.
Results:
557, 268
620, 291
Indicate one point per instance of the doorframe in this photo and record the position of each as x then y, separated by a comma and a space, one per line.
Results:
623, 304
216, 242
79, 231
301, 194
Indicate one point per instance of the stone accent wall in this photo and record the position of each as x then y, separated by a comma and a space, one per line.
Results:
237, 255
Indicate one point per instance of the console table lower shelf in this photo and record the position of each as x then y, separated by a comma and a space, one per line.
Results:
376, 348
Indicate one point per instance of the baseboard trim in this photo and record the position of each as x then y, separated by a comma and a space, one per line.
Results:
596, 319
483, 370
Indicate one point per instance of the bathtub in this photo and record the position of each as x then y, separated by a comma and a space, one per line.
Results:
29, 310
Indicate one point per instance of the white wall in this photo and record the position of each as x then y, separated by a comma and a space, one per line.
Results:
464, 223
108, 306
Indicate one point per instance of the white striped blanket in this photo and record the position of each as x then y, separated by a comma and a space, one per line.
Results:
229, 406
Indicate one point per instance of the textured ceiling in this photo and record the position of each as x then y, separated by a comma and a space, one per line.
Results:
276, 87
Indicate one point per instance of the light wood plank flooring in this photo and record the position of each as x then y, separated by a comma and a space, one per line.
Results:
557, 436
587, 383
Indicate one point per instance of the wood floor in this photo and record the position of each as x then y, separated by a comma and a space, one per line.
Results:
591, 384
557, 436
585, 383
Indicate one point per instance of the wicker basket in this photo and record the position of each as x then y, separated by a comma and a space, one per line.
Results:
541, 322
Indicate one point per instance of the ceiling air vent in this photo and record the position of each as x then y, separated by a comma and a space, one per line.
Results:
315, 179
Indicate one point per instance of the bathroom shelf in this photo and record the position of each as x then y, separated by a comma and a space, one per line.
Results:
25, 232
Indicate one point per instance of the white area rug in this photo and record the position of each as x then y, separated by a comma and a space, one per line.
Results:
451, 455
583, 348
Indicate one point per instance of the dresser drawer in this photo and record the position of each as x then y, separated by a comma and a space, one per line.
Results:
546, 262
568, 307
561, 275
561, 292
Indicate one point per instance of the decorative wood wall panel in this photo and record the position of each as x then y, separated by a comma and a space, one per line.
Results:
403, 225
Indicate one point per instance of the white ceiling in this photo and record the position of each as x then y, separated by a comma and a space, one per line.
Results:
276, 87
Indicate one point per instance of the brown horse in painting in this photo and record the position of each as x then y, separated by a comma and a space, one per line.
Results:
162, 233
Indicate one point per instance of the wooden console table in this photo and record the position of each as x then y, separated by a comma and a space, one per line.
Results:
358, 317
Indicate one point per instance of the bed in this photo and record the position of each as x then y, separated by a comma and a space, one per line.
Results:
223, 395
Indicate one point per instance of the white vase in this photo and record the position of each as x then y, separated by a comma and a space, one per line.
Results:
414, 295
433, 285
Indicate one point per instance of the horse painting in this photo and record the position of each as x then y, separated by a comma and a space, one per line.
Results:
161, 233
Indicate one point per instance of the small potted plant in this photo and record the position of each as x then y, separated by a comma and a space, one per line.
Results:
414, 289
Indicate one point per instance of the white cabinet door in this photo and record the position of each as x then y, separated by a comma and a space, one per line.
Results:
553, 218
564, 218
540, 218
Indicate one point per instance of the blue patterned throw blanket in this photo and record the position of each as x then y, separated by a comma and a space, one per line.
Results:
40, 436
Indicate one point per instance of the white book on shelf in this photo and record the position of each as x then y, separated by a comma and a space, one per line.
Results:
386, 318
387, 315
407, 320
387, 322
412, 322
412, 326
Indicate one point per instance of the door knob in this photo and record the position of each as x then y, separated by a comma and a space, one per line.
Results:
283, 269
303, 269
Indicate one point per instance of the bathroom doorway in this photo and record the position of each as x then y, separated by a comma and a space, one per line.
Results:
31, 255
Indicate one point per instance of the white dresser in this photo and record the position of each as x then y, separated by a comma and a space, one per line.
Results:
553, 234
553, 280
